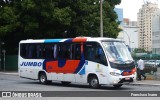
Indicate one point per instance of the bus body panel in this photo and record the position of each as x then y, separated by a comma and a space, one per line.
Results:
69, 77
30, 68
99, 70
71, 70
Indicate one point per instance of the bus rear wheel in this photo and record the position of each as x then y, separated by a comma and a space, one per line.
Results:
93, 82
43, 79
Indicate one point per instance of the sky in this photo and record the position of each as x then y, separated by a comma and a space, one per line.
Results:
131, 7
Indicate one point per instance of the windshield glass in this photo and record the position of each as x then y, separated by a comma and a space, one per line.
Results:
117, 52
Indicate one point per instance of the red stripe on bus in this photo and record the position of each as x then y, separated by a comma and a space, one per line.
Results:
69, 67
79, 40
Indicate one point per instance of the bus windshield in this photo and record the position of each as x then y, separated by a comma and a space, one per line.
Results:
117, 52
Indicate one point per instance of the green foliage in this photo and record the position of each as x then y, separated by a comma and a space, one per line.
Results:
23, 19
7, 20
140, 50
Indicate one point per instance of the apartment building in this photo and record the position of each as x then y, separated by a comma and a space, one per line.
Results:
129, 34
144, 21
119, 12
156, 32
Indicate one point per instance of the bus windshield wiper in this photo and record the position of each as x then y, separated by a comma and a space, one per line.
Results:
128, 61
120, 61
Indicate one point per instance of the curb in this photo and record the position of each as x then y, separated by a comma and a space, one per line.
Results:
9, 73
154, 83
146, 84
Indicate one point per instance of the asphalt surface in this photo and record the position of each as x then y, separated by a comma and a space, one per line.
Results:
12, 82
15, 83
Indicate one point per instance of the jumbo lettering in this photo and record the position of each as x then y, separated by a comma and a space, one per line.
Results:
31, 64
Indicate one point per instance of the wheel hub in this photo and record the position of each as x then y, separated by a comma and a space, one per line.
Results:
42, 78
94, 82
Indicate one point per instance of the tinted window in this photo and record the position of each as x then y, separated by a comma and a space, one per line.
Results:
37, 51
76, 51
94, 52
23, 50
32, 51
48, 51
64, 51
51, 51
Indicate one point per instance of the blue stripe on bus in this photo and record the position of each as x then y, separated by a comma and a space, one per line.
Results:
52, 40
81, 64
68, 40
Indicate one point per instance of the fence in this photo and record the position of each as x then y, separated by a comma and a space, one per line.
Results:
11, 63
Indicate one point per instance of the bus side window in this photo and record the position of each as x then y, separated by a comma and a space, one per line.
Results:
63, 51
39, 51
32, 51
55, 51
76, 51
89, 51
23, 50
94, 52
30, 54
48, 51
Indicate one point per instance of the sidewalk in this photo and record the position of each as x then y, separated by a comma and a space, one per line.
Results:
142, 82
9, 73
147, 82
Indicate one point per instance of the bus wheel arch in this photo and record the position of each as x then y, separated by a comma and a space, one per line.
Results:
93, 80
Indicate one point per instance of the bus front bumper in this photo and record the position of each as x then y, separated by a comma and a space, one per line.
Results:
125, 80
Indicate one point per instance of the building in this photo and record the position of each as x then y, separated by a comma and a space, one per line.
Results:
133, 23
156, 32
129, 36
126, 21
144, 20
119, 12
129, 33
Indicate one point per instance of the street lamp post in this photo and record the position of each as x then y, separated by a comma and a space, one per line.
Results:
133, 46
0, 54
1, 43
127, 36
101, 20
4, 58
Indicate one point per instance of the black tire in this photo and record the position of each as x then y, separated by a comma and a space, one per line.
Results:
65, 83
93, 82
117, 86
43, 78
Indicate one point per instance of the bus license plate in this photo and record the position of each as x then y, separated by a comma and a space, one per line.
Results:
127, 78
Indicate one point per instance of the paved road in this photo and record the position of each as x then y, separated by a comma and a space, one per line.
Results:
15, 83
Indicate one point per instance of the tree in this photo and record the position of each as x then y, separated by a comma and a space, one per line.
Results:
8, 18
24, 19
110, 19
86, 21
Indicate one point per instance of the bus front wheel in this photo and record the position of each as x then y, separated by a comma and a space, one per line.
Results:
93, 82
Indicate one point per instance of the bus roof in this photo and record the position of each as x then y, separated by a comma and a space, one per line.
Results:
77, 39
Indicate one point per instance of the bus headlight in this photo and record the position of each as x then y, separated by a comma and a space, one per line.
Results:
115, 74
